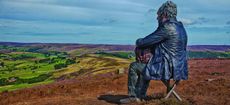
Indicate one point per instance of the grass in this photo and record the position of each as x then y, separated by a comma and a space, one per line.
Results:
26, 66
25, 85
28, 54
208, 54
94, 64
28, 73
121, 54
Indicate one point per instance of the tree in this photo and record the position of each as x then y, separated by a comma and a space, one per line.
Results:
70, 61
59, 66
2, 64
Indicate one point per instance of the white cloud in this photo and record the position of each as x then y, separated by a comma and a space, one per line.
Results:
186, 21
74, 14
102, 18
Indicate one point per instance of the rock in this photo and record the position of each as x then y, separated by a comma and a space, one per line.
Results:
110, 92
216, 73
209, 80
12, 79
121, 71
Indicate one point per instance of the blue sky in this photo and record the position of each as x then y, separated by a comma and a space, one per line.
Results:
109, 21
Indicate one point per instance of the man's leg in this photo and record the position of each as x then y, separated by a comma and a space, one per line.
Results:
134, 82
135, 79
144, 84
167, 84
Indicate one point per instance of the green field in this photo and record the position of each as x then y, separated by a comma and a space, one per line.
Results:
191, 54
20, 68
208, 54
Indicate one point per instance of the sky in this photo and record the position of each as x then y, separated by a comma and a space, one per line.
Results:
109, 21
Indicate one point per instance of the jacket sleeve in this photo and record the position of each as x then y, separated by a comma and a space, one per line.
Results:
153, 38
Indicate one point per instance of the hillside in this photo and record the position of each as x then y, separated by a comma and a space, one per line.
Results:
106, 47
208, 84
38, 73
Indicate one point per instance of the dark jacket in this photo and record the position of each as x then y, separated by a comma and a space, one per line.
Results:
169, 43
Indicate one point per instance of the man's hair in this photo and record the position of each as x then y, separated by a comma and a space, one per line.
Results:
168, 9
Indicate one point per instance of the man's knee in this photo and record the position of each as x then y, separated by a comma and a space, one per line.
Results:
136, 67
133, 66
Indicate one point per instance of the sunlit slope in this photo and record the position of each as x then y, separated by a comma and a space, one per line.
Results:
20, 68
91, 64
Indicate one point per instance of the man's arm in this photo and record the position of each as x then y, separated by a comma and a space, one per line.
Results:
153, 38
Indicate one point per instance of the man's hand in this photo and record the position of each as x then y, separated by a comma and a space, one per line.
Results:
143, 55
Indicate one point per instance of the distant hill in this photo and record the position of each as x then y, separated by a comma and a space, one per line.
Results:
209, 48
106, 47
70, 46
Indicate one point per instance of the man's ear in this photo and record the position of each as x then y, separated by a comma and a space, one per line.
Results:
163, 16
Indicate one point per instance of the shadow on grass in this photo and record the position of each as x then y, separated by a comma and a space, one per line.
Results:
115, 99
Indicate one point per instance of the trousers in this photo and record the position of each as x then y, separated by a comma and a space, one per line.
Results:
137, 85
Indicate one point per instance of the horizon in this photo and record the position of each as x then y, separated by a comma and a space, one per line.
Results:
118, 22
105, 44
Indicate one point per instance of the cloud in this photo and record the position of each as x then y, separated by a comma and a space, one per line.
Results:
202, 20
22, 27
186, 21
197, 21
109, 5
228, 22
98, 13
152, 11
109, 20
103, 19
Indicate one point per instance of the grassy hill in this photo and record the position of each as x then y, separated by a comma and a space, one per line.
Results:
22, 67
89, 74
26, 65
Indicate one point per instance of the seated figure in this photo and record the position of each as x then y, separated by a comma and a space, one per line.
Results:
168, 58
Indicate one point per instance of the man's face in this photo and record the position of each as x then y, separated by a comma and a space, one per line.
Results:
161, 18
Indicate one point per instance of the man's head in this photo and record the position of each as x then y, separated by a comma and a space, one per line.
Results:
166, 11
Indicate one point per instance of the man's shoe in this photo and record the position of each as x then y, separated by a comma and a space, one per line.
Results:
130, 100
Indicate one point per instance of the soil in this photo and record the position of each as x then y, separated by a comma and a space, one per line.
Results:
208, 84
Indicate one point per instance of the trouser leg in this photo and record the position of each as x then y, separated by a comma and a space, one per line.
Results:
143, 87
167, 84
136, 81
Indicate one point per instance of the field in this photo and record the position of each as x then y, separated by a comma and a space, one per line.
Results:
20, 68
31, 74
